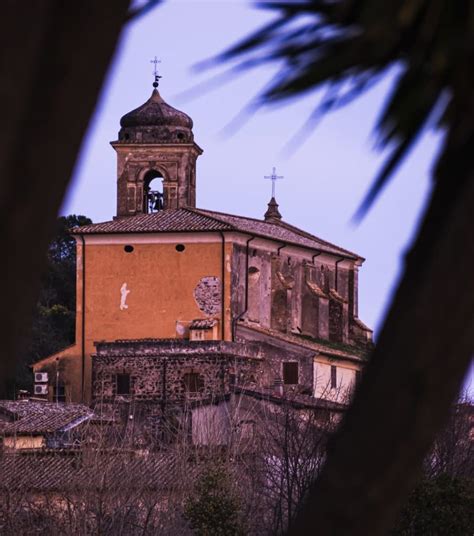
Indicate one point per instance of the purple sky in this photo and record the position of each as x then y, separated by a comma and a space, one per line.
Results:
325, 179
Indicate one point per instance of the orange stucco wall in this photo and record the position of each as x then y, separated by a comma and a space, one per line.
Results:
161, 283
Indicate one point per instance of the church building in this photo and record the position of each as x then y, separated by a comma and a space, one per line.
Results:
176, 302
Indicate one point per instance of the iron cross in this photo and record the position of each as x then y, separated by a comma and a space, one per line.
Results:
155, 61
273, 177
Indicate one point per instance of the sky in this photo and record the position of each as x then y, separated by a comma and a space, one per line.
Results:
325, 178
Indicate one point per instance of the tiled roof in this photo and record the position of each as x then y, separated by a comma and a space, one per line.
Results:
38, 417
280, 231
193, 219
164, 221
330, 349
203, 323
293, 399
73, 470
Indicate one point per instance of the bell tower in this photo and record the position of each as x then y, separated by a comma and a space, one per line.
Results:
156, 159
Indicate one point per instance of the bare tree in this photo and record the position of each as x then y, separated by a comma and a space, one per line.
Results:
426, 343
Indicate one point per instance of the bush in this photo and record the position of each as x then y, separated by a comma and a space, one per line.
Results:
437, 507
214, 509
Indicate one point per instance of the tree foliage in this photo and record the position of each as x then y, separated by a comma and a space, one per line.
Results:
440, 506
54, 317
214, 510
346, 46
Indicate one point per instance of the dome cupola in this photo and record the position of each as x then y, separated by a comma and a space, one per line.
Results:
155, 121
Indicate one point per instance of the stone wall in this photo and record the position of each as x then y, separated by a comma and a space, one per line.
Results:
288, 292
160, 370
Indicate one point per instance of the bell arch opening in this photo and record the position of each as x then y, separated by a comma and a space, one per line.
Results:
152, 191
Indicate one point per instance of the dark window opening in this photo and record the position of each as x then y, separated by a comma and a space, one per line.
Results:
59, 393
123, 384
290, 373
180, 247
358, 376
322, 415
180, 136
152, 192
232, 380
128, 249
333, 376
193, 382
127, 136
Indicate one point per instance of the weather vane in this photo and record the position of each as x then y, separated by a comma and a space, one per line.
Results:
273, 177
156, 61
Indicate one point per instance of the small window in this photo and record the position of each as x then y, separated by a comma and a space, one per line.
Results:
123, 384
193, 382
180, 247
290, 373
128, 249
333, 376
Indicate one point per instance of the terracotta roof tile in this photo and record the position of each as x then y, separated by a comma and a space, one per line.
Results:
174, 220
280, 231
329, 349
73, 470
38, 417
203, 323
192, 219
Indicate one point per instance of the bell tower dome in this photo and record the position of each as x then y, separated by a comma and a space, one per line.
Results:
156, 159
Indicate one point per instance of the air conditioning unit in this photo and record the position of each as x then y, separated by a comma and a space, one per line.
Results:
41, 377
41, 389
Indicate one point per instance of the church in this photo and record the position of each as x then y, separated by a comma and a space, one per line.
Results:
177, 303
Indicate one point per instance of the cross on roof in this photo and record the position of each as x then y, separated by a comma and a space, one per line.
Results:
273, 177
155, 61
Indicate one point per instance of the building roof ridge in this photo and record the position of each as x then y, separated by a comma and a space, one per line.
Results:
285, 225
232, 215
314, 237
204, 212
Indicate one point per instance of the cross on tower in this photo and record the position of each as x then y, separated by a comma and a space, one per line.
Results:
273, 177
155, 61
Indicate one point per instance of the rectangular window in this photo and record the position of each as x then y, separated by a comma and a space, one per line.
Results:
123, 384
333, 376
193, 382
290, 373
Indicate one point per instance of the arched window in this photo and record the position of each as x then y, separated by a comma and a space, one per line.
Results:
152, 191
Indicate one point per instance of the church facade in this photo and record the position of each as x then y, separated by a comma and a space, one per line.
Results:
179, 303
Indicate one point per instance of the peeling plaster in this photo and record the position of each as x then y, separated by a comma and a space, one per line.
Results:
208, 295
124, 292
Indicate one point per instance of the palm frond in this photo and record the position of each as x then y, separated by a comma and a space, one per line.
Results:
347, 45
